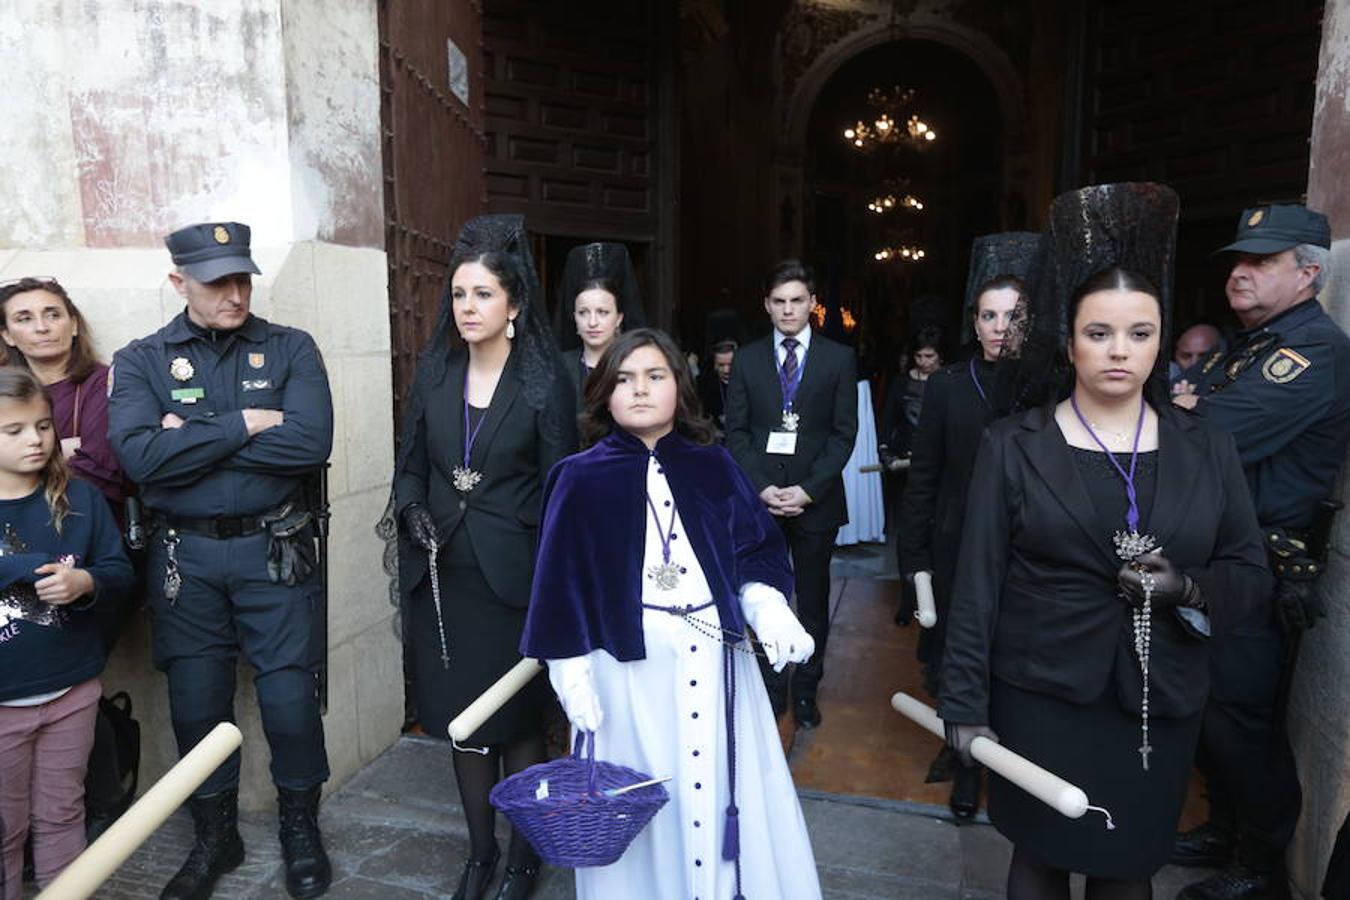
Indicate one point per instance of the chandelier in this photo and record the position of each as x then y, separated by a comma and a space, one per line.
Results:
889, 202
902, 253
891, 127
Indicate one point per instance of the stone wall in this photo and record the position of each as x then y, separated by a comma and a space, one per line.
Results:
130, 120
1319, 717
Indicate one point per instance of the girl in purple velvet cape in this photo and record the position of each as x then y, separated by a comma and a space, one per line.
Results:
655, 555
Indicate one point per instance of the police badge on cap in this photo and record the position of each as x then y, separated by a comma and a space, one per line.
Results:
1272, 229
208, 251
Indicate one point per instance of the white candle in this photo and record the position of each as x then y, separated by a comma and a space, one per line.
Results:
92, 867
923, 593
1045, 786
494, 698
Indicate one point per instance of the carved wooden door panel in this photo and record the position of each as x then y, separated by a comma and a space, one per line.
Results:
431, 110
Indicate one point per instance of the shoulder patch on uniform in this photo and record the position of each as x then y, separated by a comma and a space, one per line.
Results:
1284, 365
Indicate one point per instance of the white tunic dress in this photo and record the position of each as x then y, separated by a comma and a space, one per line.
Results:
665, 715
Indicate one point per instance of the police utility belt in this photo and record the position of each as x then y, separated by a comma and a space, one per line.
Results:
291, 553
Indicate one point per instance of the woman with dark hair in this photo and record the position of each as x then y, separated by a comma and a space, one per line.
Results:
904, 398
488, 417
1112, 537
44, 332
958, 402
597, 298
641, 614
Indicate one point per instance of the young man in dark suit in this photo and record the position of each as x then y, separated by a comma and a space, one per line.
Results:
791, 419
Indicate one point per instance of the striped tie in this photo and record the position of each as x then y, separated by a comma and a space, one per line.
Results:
790, 358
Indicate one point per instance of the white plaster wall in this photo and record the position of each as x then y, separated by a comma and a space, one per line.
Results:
130, 119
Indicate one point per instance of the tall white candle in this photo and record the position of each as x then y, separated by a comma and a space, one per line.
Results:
92, 867
923, 593
1045, 786
494, 698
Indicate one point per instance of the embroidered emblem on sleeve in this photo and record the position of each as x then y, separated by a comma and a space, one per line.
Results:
1284, 365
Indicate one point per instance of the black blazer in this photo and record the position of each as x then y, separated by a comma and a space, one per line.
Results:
827, 401
1035, 602
571, 364
942, 457
514, 452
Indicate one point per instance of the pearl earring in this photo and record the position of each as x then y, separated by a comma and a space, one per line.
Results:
510, 329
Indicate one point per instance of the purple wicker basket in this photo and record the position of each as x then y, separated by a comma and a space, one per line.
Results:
561, 808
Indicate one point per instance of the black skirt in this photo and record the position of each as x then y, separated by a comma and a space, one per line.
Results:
482, 635
1096, 747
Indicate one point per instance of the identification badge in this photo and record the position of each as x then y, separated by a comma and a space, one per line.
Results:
187, 395
783, 443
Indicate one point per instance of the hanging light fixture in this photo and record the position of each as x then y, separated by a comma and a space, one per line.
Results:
885, 129
903, 253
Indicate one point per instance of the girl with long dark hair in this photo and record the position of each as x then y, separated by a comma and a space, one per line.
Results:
655, 555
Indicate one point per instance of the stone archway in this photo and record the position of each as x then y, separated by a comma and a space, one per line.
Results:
816, 45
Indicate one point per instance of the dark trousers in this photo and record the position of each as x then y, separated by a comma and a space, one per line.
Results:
811, 552
1244, 744
227, 605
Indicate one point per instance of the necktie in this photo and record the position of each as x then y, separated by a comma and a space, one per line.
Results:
789, 358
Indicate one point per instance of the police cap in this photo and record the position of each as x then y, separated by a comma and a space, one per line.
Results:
211, 250
1278, 227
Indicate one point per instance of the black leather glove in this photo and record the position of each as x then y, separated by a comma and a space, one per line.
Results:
291, 556
1171, 587
1298, 606
421, 527
960, 737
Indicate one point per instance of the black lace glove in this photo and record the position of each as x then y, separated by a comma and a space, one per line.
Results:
960, 737
421, 527
1298, 606
1171, 587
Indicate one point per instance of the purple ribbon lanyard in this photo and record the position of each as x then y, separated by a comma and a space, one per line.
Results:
1132, 516
790, 385
663, 535
980, 388
470, 436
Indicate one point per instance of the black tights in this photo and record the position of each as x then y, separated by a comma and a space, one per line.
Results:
1031, 879
476, 773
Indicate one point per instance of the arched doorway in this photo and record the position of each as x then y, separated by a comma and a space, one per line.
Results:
958, 179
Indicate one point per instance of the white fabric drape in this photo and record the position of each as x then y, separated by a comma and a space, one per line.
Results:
866, 509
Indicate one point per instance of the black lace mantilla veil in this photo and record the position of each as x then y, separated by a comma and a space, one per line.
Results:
1129, 224
994, 256
533, 344
589, 262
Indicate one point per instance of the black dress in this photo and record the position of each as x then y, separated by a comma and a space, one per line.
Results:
1096, 745
953, 415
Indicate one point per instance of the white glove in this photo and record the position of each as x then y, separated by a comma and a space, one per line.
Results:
782, 636
571, 680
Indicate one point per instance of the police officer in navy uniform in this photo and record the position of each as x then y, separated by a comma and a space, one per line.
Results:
219, 417
1283, 391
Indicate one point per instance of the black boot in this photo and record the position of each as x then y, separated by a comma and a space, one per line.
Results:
308, 872
518, 882
475, 878
218, 848
1257, 873
1208, 846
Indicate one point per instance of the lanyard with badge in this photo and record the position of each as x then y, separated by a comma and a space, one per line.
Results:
783, 440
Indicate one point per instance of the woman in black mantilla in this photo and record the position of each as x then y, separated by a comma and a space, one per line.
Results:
488, 417
958, 402
1107, 539
597, 298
